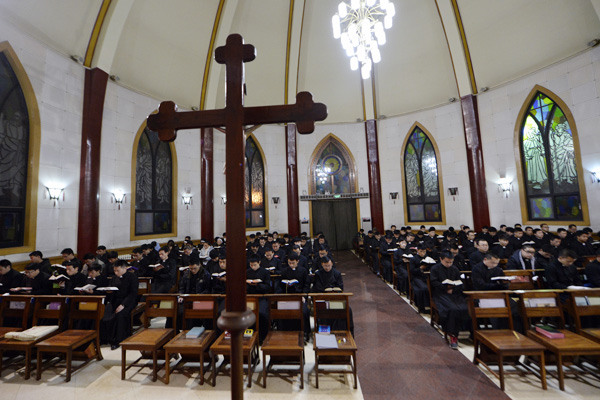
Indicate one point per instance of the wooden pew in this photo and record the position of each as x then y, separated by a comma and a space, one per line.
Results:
585, 303
16, 309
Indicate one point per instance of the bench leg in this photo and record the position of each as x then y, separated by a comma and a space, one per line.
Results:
154, 365
264, 372
561, 374
27, 363
543, 370
123, 363
214, 370
202, 367
302, 370
69, 359
167, 367
316, 371
501, 371
354, 370
98, 351
38, 374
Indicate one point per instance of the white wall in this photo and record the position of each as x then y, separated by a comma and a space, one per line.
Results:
58, 86
577, 82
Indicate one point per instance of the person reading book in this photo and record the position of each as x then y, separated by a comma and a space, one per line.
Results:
37, 257
96, 279
448, 297
563, 273
419, 281
327, 277
35, 282
75, 279
122, 301
9, 278
524, 258
592, 271
164, 273
219, 276
258, 281
484, 271
295, 279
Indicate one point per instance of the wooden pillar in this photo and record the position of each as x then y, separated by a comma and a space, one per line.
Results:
207, 213
293, 204
89, 180
374, 176
479, 200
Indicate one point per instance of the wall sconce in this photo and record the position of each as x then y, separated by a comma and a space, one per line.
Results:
54, 194
223, 199
118, 197
275, 200
187, 200
505, 186
595, 176
394, 195
453, 191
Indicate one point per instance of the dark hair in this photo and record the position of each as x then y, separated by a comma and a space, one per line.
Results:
446, 255
89, 256
32, 267
559, 230
490, 256
36, 253
73, 264
195, 259
137, 250
101, 247
165, 249
527, 246
121, 263
325, 259
68, 250
222, 255
214, 253
114, 254
253, 259
5, 263
567, 253
293, 256
95, 267
479, 240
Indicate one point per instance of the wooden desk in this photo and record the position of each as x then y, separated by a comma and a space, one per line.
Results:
592, 334
66, 342
222, 346
196, 346
283, 345
345, 354
148, 340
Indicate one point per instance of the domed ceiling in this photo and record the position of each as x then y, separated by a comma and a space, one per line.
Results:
436, 49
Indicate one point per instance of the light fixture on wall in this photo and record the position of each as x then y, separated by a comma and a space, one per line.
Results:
54, 194
453, 191
187, 200
361, 26
118, 197
275, 200
114, 78
595, 176
394, 196
505, 186
223, 199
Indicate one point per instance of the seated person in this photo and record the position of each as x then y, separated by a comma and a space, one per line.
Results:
123, 301
580, 246
386, 257
258, 281
449, 299
194, 280
189, 252
204, 251
9, 278
270, 263
459, 260
329, 278
37, 257
213, 263
68, 256
481, 248
562, 273
75, 279
36, 282
296, 272
592, 271
164, 273
503, 249
90, 259
217, 280
278, 252
544, 257
96, 278
419, 282
522, 258
102, 254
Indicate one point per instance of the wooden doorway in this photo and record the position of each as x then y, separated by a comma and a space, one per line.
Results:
337, 219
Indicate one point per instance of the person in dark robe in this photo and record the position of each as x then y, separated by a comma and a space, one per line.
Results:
194, 280
544, 257
270, 263
97, 278
164, 273
68, 256
592, 271
75, 279
9, 278
556, 245
419, 281
298, 281
219, 277
189, 252
503, 249
258, 281
524, 258
385, 251
563, 273
481, 248
37, 257
278, 252
102, 254
123, 301
90, 259
517, 239
36, 282
580, 246
328, 277
213, 263
448, 297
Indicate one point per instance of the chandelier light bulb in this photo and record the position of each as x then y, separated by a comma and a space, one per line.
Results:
360, 25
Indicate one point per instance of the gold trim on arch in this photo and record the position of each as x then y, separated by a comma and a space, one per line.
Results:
440, 175
266, 199
91, 49
463, 37
175, 193
287, 53
34, 153
578, 164
209, 55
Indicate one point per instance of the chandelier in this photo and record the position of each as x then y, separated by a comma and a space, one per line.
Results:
361, 26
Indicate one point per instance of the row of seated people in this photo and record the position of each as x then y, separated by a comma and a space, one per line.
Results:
196, 279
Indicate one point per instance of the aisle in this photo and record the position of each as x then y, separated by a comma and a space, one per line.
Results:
400, 356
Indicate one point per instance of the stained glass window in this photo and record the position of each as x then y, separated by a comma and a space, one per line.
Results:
332, 173
549, 164
14, 150
421, 179
255, 186
153, 186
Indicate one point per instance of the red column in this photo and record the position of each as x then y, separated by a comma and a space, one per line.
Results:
89, 180
479, 200
292, 181
374, 176
207, 220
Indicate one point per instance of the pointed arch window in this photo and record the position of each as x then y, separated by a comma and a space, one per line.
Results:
332, 169
19, 155
255, 186
153, 186
421, 180
549, 163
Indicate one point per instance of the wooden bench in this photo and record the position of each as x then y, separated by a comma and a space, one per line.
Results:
149, 341
195, 307
14, 309
284, 346
502, 342
90, 308
45, 309
143, 289
585, 303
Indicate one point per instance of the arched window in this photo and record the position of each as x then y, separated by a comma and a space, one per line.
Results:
332, 168
422, 187
255, 186
19, 152
548, 160
154, 186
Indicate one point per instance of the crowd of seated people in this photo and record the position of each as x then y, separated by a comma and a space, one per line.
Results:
444, 258
275, 264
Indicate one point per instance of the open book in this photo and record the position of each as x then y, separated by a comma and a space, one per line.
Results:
219, 274
253, 280
60, 277
89, 286
155, 265
449, 282
183, 268
107, 288
289, 281
503, 278
428, 260
333, 289
58, 266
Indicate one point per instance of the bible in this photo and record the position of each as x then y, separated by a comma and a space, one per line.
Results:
333, 289
450, 282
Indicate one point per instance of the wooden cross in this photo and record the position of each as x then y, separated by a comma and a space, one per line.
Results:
233, 117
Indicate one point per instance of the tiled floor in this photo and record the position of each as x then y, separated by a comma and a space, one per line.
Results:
420, 352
